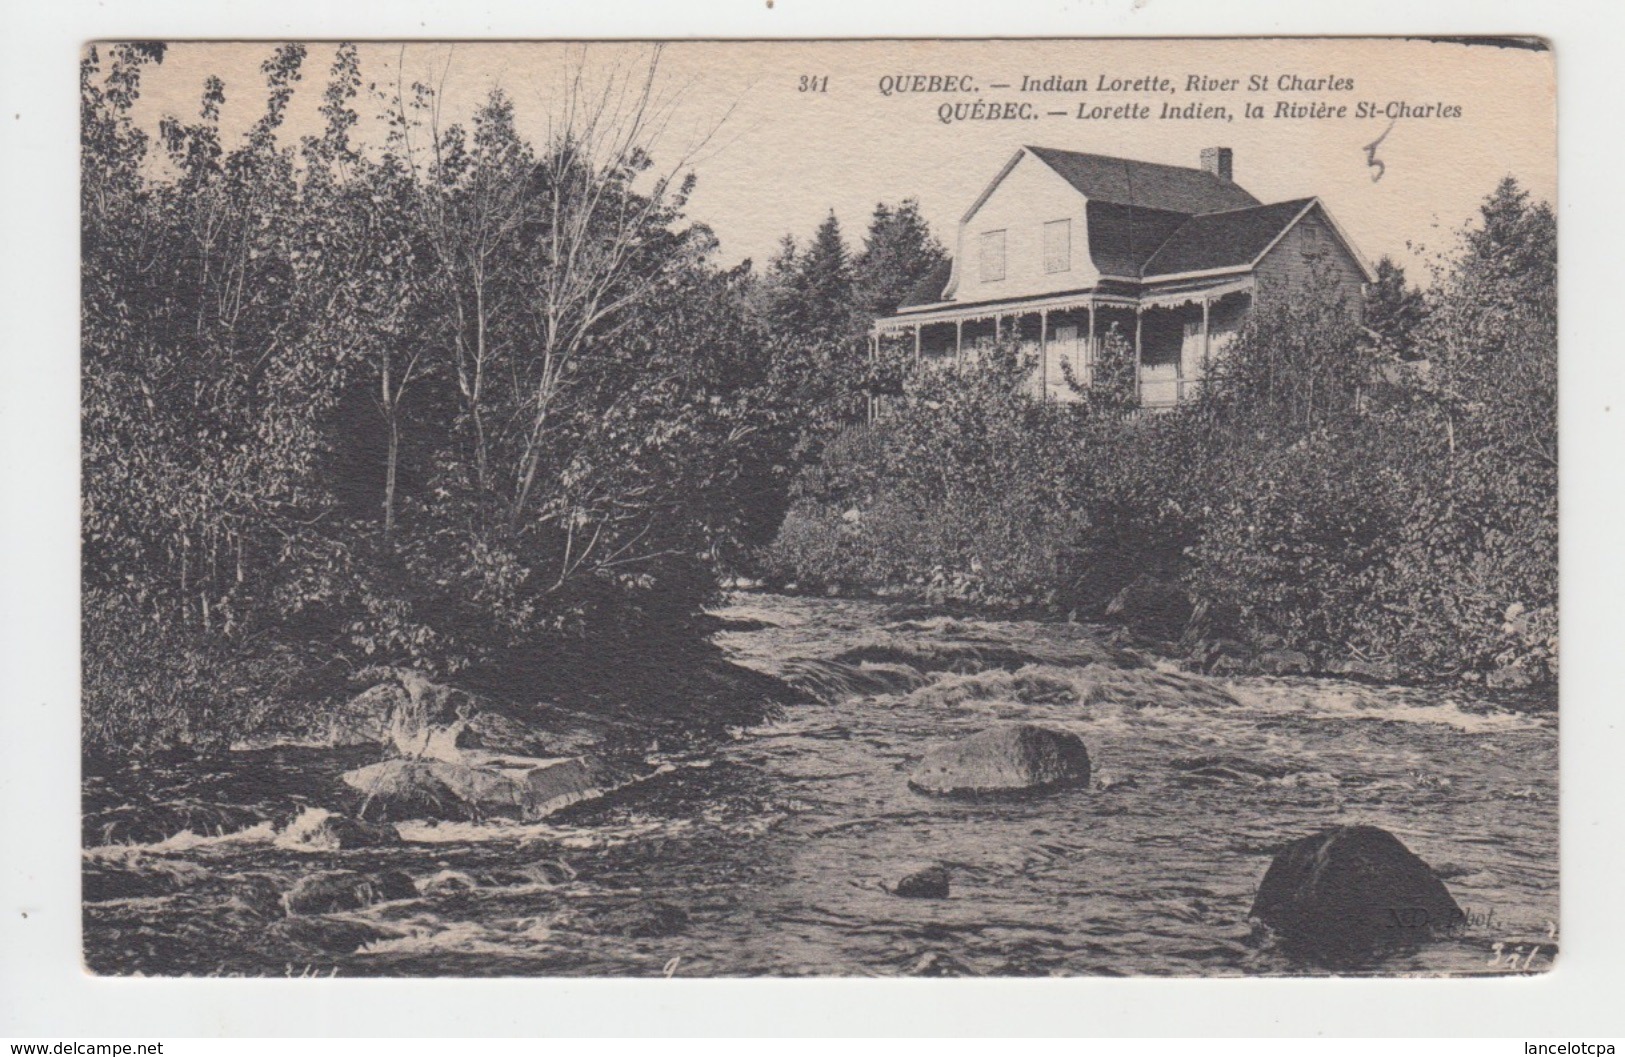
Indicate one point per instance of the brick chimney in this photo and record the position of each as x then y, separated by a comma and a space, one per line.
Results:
1216, 160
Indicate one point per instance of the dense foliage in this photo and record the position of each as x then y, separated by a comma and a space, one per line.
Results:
1386, 494
435, 396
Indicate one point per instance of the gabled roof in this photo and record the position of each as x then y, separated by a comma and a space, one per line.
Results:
1230, 239
1148, 185
1154, 222
1123, 238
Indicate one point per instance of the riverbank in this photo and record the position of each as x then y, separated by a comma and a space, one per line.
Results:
1160, 623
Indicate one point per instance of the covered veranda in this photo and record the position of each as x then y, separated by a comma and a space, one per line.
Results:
1174, 332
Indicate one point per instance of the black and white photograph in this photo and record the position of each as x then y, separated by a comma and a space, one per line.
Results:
819, 508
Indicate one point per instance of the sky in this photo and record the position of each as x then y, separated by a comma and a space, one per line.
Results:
772, 158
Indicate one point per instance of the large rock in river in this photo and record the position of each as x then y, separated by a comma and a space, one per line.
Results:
1349, 890
365, 719
931, 882
480, 785
1014, 758
1152, 607
419, 717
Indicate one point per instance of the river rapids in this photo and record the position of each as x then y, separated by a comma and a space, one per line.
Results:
767, 853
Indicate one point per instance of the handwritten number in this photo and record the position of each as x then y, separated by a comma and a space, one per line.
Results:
1518, 958
1371, 158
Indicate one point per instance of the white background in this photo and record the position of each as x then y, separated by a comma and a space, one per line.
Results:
43, 991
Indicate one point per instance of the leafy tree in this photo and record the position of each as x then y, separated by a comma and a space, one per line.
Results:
1113, 377
819, 365
1300, 363
1474, 579
458, 400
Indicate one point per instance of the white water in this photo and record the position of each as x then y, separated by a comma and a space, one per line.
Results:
769, 853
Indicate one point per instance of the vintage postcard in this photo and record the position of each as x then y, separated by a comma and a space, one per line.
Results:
1065, 507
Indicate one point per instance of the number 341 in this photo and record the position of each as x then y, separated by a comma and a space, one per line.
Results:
1507, 957
813, 83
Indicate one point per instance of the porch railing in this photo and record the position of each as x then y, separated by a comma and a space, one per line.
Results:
1167, 392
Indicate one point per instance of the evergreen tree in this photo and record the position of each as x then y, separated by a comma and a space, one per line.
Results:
1394, 309
898, 252
822, 309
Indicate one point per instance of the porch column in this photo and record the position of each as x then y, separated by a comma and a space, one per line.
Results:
1139, 312
916, 341
1090, 352
1207, 337
959, 341
1043, 353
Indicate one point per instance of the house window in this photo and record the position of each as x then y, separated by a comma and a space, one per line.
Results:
1314, 241
992, 256
1058, 246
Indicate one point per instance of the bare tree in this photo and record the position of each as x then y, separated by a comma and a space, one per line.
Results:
593, 270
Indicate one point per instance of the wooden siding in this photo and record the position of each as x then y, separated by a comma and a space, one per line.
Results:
1030, 195
1287, 269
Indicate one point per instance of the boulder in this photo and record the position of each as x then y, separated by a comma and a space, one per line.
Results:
1368, 671
1348, 891
928, 883
480, 785
1284, 662
1218, 655
418, 717
498, 732
404, 789
1013, 758
365, 718
408, 711
433, 717
332, 891
1152, 607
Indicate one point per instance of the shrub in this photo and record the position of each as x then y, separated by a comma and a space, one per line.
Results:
1321, 493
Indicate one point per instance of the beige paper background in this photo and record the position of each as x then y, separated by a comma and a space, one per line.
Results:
781, 159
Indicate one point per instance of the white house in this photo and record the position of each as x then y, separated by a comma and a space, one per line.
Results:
1062, 245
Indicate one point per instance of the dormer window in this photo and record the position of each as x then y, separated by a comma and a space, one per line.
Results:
992, 256
1058, 246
